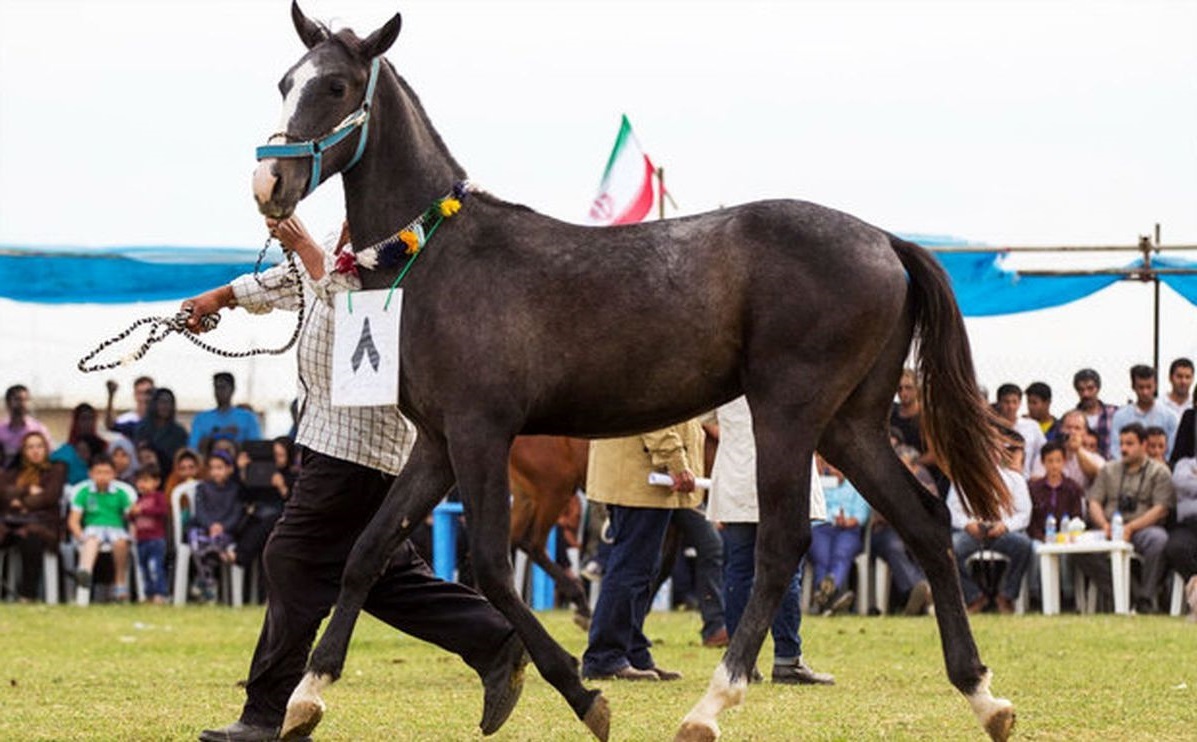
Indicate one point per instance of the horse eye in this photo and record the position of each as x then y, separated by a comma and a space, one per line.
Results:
337, 88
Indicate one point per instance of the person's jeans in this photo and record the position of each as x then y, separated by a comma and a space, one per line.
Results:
617, 637
832, 550
739, 569
151, 557
887, 545
700, 533
1015, 545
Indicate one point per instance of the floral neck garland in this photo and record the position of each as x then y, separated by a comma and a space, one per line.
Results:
409, 240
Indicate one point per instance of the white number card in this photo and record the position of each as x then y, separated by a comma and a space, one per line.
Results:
366, 348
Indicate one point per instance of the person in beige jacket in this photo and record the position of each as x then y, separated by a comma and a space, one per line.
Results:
639, 514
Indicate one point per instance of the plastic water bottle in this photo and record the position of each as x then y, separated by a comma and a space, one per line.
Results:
1116, 526
1049, 529
1062, 536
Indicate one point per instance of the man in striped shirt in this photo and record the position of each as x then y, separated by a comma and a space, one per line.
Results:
350, 456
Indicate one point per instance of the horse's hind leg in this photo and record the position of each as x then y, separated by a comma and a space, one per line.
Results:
417, 489
480, 462
784, 449
858, 446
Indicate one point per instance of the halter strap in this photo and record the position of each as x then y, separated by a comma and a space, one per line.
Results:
314, 148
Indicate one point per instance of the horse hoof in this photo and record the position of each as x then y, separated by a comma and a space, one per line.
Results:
1001, 723
598, 718
582, 622
305, 708
693, 731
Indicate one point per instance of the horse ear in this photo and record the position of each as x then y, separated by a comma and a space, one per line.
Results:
376, 44
310, 32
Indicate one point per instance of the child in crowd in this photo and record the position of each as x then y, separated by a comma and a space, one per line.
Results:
216, 515
149, 515
98, 513
1054, 494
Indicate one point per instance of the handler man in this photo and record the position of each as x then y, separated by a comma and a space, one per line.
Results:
350, 456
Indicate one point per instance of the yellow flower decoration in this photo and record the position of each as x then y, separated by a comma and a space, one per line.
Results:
411, 240
450, 206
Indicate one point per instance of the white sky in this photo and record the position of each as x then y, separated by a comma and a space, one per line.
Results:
1010, 123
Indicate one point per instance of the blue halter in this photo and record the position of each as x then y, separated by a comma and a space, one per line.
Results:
314, 148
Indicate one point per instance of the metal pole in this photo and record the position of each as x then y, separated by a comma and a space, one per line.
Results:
1156, 319
660, 193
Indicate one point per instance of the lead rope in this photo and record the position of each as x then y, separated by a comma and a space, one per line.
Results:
162, 327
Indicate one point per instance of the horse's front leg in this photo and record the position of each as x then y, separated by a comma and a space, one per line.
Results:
422, 483
480, 462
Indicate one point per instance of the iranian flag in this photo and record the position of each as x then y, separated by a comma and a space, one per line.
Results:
626, 192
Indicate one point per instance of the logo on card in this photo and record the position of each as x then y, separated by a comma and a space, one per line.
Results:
365, 348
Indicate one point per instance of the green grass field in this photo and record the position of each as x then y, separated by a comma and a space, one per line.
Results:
160, 673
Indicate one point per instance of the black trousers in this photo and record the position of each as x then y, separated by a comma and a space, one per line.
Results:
304, 557
31, 548
1181, 550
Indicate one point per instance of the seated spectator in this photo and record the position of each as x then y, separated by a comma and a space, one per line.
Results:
1186, 434
217, 513
1146, 410
150, 514
19, 422
1006, 536
1009, 399
1141, 490
910, 582
124, 458
185, 468
82, 445
126, 423
98, 513
223, 421
1082, 461
1039, 404
1180, 376
160, 429
1053, 494
1157, 444
1181, 549
836, 542
30, 493
1098, 415
906, 417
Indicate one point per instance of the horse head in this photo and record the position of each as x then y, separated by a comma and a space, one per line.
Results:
326, 110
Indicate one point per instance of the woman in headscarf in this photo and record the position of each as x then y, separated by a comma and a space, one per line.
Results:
124, 458
30, 497
161, 430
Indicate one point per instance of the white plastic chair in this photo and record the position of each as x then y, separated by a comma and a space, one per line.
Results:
1178, 593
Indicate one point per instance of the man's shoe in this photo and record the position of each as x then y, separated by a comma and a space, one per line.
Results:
663, 674
1005, 605
919, 599
978, 604
627, 673
842, 602
239, 731
800, 674
716, 640
503, 684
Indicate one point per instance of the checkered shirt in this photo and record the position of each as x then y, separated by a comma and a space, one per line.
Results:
377, 437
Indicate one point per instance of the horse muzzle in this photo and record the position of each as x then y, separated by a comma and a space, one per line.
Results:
274, 196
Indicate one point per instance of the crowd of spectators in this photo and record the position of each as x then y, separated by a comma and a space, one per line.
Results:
108, 491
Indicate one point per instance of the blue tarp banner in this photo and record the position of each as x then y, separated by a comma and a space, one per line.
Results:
117, 275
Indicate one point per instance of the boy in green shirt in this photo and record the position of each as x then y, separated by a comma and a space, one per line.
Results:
98, 512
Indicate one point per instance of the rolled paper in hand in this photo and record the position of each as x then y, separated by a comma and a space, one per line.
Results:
664, 480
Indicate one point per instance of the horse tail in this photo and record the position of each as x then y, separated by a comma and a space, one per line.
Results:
960, 427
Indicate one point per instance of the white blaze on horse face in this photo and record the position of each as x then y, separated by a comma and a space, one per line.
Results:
300, 78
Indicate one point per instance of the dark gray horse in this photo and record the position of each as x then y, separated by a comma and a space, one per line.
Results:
517, 323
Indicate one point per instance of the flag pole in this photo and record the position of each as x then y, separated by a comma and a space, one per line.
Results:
660, 193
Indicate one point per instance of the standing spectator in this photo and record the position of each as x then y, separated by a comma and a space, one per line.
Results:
1053, 493
1009, 399
1006, 536
1039, 409
150, 514
82, 445
30, 493
1180, 377
1157, 444
19, 423
216, 515
98, 513
224, 421
1141, 489
1098, 415
733, 505
699, 533
1081, 464
640, 513
161, 430
126, 423
836, 542
1181, 549
1186, 434
1145, 410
